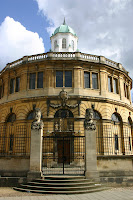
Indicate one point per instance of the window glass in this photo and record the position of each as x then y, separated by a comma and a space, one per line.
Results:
30, 115
115, 85
17, 84
12, 84
87, 79
63, 43
115, 118
59, 78
96, 115
94, 80
109, 84
55, 44
40, 80
11, 118
116, 142
72, 45
32, 81
68, 78
11, 142
127, 92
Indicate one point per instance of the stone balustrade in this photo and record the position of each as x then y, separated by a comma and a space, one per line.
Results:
66, 56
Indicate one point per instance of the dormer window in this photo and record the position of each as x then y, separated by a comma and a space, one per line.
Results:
63, 43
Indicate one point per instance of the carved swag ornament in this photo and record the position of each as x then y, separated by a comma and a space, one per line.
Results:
63, 97
89, 124
37, 123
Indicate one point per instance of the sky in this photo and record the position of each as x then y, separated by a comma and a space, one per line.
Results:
104, 27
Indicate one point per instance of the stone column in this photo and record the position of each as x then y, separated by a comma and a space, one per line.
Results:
90, 138
36, 147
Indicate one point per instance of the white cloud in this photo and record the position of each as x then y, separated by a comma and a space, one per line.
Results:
16, 41
103, 26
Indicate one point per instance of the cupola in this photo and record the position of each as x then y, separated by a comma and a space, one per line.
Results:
64, 39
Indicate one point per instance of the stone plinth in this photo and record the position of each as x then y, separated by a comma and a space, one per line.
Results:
35, 154
91, 158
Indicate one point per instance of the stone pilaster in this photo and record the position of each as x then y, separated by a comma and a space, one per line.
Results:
91, 158
35, 154
90, 139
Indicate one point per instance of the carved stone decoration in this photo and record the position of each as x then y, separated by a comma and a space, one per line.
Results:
37, 123
89, 124
56, 126
64, 97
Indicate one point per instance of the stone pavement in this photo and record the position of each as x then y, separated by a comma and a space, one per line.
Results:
111, 194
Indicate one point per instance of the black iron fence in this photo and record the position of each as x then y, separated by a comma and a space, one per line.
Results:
14, 141
63, 154
113, 139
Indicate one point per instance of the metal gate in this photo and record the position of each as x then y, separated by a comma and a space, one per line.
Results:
63, 155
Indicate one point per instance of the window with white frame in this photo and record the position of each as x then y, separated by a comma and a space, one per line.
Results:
63, 43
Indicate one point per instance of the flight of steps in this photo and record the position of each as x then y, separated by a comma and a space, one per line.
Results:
61, 185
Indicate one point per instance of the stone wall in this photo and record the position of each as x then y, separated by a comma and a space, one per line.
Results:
13, 167
115, 170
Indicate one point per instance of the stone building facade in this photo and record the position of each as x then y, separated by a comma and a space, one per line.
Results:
63, 84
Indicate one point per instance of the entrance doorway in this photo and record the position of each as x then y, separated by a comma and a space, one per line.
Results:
63, 149
63, 155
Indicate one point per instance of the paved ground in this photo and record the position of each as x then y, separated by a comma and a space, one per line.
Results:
111, 194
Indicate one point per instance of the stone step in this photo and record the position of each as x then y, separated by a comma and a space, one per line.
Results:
64, 184
34, 187
61, 185
62, 181
62, 192
62, 177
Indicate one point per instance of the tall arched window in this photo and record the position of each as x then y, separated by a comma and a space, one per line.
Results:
115, 136
55, 44
30, 115
63, 43
11, 118
128, 135
99, 132
72, 45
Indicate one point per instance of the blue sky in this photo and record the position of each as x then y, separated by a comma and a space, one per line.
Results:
26, 12
104, 27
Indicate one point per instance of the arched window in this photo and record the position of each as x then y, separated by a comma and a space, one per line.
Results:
63, 113
31, 115
55, 44
115, 117
129, 121
11, 118
96, 115
72, 45
129, 135
116, 145
63, 43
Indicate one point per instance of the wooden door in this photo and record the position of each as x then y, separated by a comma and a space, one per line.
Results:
63, 148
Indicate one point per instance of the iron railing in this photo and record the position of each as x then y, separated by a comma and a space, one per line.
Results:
113, 139
63, 155
14, 140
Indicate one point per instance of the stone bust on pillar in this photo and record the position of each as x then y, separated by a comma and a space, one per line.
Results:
37, 123
89, 123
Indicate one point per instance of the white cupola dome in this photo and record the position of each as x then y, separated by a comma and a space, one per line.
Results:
64, 39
